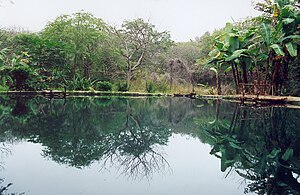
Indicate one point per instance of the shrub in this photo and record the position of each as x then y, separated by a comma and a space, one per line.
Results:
21, 77
79, 83
103, 86
122, 86
162, 87
150, 87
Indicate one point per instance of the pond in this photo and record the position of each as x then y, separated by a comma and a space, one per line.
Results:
145, 146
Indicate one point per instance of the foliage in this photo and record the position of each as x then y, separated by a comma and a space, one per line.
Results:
103, 86
265, 158
122, 86
21, 76
150, 87
260, 52
79, 83
139, 41
162, 86
47, 57
85, 38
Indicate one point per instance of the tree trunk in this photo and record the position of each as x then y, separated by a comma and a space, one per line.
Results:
217, 110
237, 74
86, 70
128, 79
269, 60
235, 78
259, 86
244, 76
171, 77
218, 84
244, 73
258, 73
73, 71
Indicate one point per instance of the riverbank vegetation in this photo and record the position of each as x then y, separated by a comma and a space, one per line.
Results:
82, 52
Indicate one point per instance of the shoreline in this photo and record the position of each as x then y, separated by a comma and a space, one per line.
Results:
292, 100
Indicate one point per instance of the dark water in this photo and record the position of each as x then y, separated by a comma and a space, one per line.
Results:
146, 146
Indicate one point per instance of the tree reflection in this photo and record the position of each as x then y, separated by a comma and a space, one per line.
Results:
137, 148
128, 134
261, 145
4, 152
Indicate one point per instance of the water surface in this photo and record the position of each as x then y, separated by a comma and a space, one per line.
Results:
146, 146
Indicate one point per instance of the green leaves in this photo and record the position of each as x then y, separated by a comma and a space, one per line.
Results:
236, 54
288, 154
85, 38
290, 46
278, 49
287, 21
292, 49
291, 37
266, 33
234, 43
274, 154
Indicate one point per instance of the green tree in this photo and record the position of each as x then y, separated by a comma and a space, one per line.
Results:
47, 57
139, 42
85, 37
282, 41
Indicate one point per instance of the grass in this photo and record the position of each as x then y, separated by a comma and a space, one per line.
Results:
140, 86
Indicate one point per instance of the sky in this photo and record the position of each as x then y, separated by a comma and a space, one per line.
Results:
184, 19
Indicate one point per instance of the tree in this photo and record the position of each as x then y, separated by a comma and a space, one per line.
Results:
47, 57
180, 59
282, 40
139, 41
19, 74
85, 37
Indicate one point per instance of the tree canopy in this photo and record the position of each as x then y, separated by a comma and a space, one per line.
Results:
257, 55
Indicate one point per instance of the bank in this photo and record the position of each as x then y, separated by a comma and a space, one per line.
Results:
290, 100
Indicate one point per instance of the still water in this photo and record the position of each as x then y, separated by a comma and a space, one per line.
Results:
146, 146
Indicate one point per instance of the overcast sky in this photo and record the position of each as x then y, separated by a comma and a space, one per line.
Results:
185, 19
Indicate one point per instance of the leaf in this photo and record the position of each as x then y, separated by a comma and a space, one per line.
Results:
288, 154
212, 122
219, 45
287, 11
228, 69
292, 49
266, 33
290, 37
234, 145
278, 50
287, 21
234, 43
274, 153
214, 69
223, 163
263, 57
214, 53
236, 54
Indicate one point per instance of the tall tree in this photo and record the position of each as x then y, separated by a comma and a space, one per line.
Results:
282, 40
139, 41
84, 36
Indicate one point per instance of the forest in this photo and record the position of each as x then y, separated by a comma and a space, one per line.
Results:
258, 55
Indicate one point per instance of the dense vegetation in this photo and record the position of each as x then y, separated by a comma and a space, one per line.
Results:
258, 55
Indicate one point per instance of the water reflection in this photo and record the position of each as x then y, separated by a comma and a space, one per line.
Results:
261, 145
126, 133
4, 152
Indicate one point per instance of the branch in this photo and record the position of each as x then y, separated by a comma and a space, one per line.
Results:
138, 62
